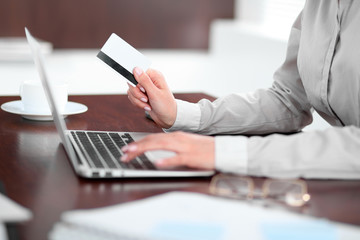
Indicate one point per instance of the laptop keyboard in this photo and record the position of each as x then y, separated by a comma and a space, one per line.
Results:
102, 150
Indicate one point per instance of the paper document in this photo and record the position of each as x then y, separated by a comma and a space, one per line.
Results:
3, 233
10, 211
193, 216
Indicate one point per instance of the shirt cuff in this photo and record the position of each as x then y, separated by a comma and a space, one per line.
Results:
187, 117
231, 154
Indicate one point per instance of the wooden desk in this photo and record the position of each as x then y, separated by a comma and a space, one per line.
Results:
37, 174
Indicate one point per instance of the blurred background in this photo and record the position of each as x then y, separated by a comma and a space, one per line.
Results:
88, 23
211, 46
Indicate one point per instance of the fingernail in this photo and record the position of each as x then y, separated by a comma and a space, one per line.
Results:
125, 148
130, 148
143, 99
138, 71
142, 89
159, 162
124, 157
147, 109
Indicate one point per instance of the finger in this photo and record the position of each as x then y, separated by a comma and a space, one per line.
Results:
168, 162
140, 103
152, 142
157, 78
141, 88
144, 80
136, 92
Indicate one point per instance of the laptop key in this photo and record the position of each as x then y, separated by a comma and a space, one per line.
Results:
106, 137
85, 142
127, 137
99, 139
101, 149
146, 162
110, 145
117, 139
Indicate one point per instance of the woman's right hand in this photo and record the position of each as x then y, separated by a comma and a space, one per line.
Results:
153, 95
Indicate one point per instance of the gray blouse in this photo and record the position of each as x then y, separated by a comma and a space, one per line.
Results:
321, 72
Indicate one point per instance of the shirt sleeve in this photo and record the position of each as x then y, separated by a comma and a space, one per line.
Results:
231, 154
277, 109
187, 117
327, 154
284, 107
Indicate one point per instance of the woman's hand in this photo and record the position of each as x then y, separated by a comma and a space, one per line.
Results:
191, 150
153, 95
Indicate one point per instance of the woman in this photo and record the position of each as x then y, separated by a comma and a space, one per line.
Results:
321, 72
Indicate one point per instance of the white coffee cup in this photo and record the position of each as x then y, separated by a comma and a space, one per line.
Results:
34, 100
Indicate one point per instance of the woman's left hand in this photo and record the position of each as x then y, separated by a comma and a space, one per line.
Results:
191, 150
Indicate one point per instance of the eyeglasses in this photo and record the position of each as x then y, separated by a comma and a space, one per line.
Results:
291, 192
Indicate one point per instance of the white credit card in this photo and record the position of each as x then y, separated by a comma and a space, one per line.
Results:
123, 58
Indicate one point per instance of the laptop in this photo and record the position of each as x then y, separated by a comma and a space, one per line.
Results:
96, 154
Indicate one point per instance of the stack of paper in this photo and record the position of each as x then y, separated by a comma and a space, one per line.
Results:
3, 233
193, 216
10, 211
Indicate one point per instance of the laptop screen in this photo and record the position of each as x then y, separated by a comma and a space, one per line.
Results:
47, 85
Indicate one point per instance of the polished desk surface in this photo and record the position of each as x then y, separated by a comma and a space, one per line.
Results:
37, 174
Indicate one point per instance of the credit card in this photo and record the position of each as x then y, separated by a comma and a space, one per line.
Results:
123, 58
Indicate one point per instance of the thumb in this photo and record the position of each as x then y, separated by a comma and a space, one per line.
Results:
157, 78
144, 80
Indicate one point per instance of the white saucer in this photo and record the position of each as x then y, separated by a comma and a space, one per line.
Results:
16, 107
